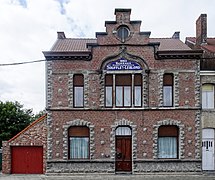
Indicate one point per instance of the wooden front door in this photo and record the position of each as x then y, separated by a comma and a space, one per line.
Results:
123, 153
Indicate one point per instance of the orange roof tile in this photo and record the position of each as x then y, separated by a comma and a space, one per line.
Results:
170, 44
72, 45
80, 44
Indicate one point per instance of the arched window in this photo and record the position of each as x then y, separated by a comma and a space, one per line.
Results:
123, 131
168, 142
208, 96
78, 95
168, 90
78, 142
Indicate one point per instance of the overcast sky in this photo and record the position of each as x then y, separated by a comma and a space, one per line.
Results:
28, 27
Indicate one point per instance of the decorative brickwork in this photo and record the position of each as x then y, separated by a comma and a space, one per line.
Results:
70, 88
160, 86
49, 135
86, 90
138, 54
145, 90
102, 90
197, 136
176, 89
197, 85
49, 85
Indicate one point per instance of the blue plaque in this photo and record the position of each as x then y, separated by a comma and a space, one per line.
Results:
122, 64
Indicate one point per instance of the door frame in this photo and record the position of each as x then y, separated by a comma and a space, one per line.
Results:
125, 136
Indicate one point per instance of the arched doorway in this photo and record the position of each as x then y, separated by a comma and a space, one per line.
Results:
208, 149
123, 156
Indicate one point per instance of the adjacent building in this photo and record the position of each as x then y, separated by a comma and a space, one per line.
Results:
207, 74
123, 102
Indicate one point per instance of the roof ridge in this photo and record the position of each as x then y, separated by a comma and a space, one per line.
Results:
82, 38
163, 38
28, 127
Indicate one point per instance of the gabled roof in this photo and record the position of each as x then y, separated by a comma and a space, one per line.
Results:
209, 46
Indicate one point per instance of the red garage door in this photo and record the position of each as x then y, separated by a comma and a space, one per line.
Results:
27, 160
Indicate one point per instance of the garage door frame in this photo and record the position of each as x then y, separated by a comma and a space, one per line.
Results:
27, 159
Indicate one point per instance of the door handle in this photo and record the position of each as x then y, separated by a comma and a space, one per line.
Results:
118, 155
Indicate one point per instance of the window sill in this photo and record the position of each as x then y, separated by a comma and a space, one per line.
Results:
168, 160
208, 110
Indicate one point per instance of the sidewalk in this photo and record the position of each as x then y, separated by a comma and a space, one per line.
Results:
111, 177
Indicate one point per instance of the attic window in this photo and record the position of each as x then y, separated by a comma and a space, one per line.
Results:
123, 33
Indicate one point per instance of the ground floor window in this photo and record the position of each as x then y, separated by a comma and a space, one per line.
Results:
168, 142
78, 142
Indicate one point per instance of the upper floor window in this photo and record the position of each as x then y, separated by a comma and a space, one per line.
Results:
168, 90
78, 142
123, 90
168, 142
123, 33
208, 96
78, 92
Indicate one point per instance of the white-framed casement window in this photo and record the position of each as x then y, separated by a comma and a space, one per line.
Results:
123, 90
78, 90
78, 142
168, 90
208, 96
168, 142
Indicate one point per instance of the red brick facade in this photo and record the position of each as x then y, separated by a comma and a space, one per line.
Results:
156, 57
151, 58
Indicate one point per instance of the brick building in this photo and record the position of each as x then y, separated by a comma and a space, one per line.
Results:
207, 74
123, 102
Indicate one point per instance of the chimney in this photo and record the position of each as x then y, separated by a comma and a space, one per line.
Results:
122, 15
61, 35
176, 35
201, 30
